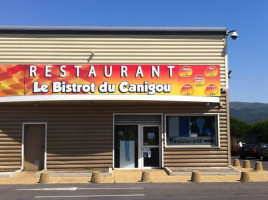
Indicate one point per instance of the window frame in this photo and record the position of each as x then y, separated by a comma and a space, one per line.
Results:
216, 115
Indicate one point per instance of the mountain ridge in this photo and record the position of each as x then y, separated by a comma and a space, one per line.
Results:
249, 112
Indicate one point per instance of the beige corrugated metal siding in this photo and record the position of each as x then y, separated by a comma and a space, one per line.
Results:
81, 136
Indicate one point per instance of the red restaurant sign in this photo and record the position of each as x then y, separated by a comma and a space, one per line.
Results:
177, 80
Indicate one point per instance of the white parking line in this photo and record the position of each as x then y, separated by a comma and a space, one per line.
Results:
133, 188
90, 196
50, 189
75, 188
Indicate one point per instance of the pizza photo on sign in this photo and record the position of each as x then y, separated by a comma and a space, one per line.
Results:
199, 80
187, 90
211, 71
185, 71
211, 90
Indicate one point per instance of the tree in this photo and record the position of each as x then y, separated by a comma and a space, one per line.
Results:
240, 128
260, 128
237, 127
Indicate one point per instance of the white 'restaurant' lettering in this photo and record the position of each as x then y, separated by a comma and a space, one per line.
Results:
139, 72
32, 71
92, 71
77, 70
47, 71
155, 72
107, 71
123, 71
170, 70
110, 71
63, 71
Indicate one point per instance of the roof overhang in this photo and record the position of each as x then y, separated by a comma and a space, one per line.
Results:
113, 30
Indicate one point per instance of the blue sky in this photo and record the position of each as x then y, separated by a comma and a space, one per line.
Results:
247, 54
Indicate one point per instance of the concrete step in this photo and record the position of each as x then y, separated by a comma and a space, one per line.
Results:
74, 173
182, 171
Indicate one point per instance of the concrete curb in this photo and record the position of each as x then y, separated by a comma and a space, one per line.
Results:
73, 174
8, 174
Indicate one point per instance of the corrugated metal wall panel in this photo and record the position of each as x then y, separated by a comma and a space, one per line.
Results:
81, 136
112, 49
76, 130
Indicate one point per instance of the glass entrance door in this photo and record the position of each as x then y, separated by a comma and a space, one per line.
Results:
151, 146
137, 146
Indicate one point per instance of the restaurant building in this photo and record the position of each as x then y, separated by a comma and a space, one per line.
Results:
99, 97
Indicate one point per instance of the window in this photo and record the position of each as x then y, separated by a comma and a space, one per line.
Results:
191, 130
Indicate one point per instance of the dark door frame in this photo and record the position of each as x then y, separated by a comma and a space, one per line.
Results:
161, 135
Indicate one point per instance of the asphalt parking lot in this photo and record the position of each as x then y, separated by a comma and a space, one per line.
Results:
146, 191
252, 161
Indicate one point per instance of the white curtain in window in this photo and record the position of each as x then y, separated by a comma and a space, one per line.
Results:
174, 125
